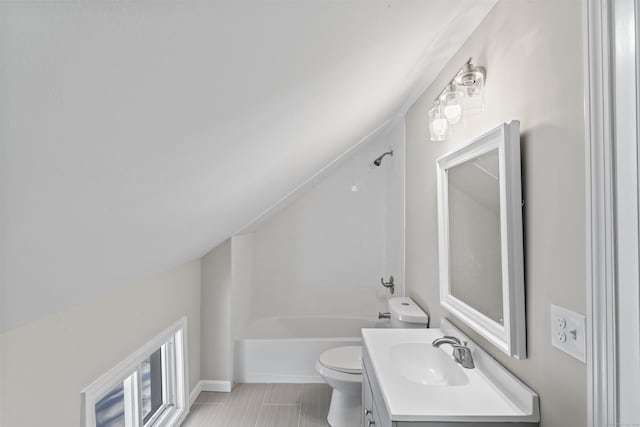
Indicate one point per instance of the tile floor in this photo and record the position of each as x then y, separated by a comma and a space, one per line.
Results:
263, 405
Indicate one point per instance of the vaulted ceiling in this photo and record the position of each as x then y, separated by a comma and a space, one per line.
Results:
135, 136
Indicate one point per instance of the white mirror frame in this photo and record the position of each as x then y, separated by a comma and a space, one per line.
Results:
510, 337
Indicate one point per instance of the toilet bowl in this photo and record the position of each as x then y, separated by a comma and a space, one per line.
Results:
341, 367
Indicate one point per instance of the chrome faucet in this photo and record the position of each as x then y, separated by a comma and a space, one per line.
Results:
446, 340
461, 353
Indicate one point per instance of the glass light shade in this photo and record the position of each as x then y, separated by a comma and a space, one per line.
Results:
451, 105
470, 84
438, 125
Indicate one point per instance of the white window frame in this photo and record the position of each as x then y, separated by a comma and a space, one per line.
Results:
129, 373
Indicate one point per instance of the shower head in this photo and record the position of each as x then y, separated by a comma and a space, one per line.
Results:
378, 161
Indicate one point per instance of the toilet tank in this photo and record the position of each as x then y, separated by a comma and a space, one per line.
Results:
405, 313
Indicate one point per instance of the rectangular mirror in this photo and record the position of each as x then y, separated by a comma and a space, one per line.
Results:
480, 237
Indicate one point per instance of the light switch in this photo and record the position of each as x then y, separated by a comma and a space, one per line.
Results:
568, 331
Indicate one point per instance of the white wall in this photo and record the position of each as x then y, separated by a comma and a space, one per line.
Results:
395, 206
217, 350
48, 363
242, 282
532, 50
326, 252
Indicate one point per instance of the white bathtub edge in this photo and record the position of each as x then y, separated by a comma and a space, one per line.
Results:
281, 379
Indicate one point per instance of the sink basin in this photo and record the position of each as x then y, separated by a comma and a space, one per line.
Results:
423, 384
422, 363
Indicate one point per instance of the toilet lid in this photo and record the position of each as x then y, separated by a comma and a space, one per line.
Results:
346, 359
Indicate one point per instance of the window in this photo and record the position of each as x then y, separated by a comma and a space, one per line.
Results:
153, 385
148, 389
110, 409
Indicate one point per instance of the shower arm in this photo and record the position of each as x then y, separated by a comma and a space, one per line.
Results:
389, 285
378, 161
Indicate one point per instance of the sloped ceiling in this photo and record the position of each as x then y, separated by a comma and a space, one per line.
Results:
138, 135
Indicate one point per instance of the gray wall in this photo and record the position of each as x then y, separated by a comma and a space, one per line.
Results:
47, 363
217, 351
532, 51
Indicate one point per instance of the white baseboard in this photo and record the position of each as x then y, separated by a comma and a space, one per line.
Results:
194, 394
209, 385
182, 418
220, 386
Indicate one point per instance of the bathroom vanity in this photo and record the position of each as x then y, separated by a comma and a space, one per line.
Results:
407, 382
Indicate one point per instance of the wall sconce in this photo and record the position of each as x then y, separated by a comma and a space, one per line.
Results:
451, 102
470, 82
438, 123
464, 95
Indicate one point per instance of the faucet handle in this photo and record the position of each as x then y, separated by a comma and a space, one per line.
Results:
462, 346
462, 354
390, 285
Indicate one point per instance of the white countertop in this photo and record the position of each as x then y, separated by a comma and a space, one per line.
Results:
491, 394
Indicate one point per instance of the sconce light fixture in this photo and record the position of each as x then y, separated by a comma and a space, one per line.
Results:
451, 104
438, 123
464, 95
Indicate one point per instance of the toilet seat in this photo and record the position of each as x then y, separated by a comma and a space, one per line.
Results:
331, 376
346, 359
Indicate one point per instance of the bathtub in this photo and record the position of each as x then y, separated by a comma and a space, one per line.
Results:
285, 349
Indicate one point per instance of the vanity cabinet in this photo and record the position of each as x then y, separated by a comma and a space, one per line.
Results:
375, 413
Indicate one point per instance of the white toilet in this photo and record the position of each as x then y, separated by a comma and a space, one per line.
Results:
341, 367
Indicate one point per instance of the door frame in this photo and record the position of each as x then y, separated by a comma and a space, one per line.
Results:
612, 184
600, 227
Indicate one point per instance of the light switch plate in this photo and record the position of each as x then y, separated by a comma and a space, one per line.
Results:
568, 332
